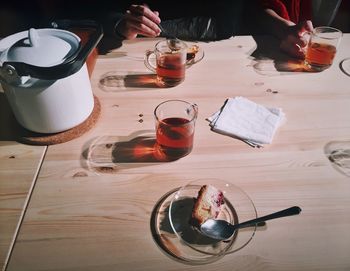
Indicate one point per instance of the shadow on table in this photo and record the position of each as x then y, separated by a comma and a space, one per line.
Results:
117, 81
182, 211
109, 154
166, 239
270, 60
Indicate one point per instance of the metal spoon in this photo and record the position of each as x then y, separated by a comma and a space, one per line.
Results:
173, 42
222, 230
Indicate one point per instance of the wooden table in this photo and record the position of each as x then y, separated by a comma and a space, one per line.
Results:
91, 211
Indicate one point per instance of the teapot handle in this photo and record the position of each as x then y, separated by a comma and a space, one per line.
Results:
72, 64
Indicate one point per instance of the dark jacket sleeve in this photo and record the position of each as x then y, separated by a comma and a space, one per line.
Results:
219, 20
110, 21
196, 28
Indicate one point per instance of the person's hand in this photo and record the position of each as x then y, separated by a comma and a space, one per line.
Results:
295, 41
139, 20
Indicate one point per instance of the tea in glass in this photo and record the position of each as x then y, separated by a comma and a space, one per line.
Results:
170, 64
170, 70
175, 126
320, 54
322, 47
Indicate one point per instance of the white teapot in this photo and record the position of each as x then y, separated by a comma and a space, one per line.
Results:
45, 78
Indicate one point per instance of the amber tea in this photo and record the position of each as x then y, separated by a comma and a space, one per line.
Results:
170, 69
175, 136
320, 54
170, 63
175, 126
322, 47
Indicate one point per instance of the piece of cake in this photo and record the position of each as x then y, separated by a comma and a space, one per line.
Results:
207, 204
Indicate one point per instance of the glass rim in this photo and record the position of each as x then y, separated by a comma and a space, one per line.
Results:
229, 249
193, 105
183, 45
318, 33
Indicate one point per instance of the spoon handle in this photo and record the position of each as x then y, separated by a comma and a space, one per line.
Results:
166, 34
161, 28
287, 212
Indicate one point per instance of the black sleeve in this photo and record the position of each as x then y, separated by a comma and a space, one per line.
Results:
195, 28
110, 21
220, 21
228, 17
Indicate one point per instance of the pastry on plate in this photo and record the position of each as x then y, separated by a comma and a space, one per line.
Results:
207, 204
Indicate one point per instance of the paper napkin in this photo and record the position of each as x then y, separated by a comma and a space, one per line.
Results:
241, 118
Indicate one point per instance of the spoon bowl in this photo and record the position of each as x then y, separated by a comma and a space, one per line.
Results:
222, 230
173, 42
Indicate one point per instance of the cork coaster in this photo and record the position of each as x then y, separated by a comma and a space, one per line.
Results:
28, 137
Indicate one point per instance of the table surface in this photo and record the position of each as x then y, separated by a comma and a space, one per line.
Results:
83, 207
19, 168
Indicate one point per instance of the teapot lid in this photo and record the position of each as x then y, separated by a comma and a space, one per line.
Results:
43, 47
49, 53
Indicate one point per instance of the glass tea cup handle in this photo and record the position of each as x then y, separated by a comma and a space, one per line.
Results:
192, 110
195, 108
198, 57
147, 61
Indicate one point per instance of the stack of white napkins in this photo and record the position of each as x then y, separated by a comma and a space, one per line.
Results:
241, 118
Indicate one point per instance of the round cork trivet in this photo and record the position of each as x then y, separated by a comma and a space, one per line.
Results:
32, 138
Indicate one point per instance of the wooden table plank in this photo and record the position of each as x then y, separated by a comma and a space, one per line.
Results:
19, 166
89, 213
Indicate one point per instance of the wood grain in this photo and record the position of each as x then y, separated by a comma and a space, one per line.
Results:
89, 212
18, 169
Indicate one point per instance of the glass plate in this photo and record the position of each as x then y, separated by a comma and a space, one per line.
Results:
238, 208
345, 66
198, 56
338, 153
168, 241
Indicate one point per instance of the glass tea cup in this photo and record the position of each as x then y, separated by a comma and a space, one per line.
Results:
175, 126
322, 47
170, 62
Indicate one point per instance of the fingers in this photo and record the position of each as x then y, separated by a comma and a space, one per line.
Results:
304, 36
305, 26
296, 40
139, 20
309, 26
293, 49
141, 25
145, 11
143, 20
